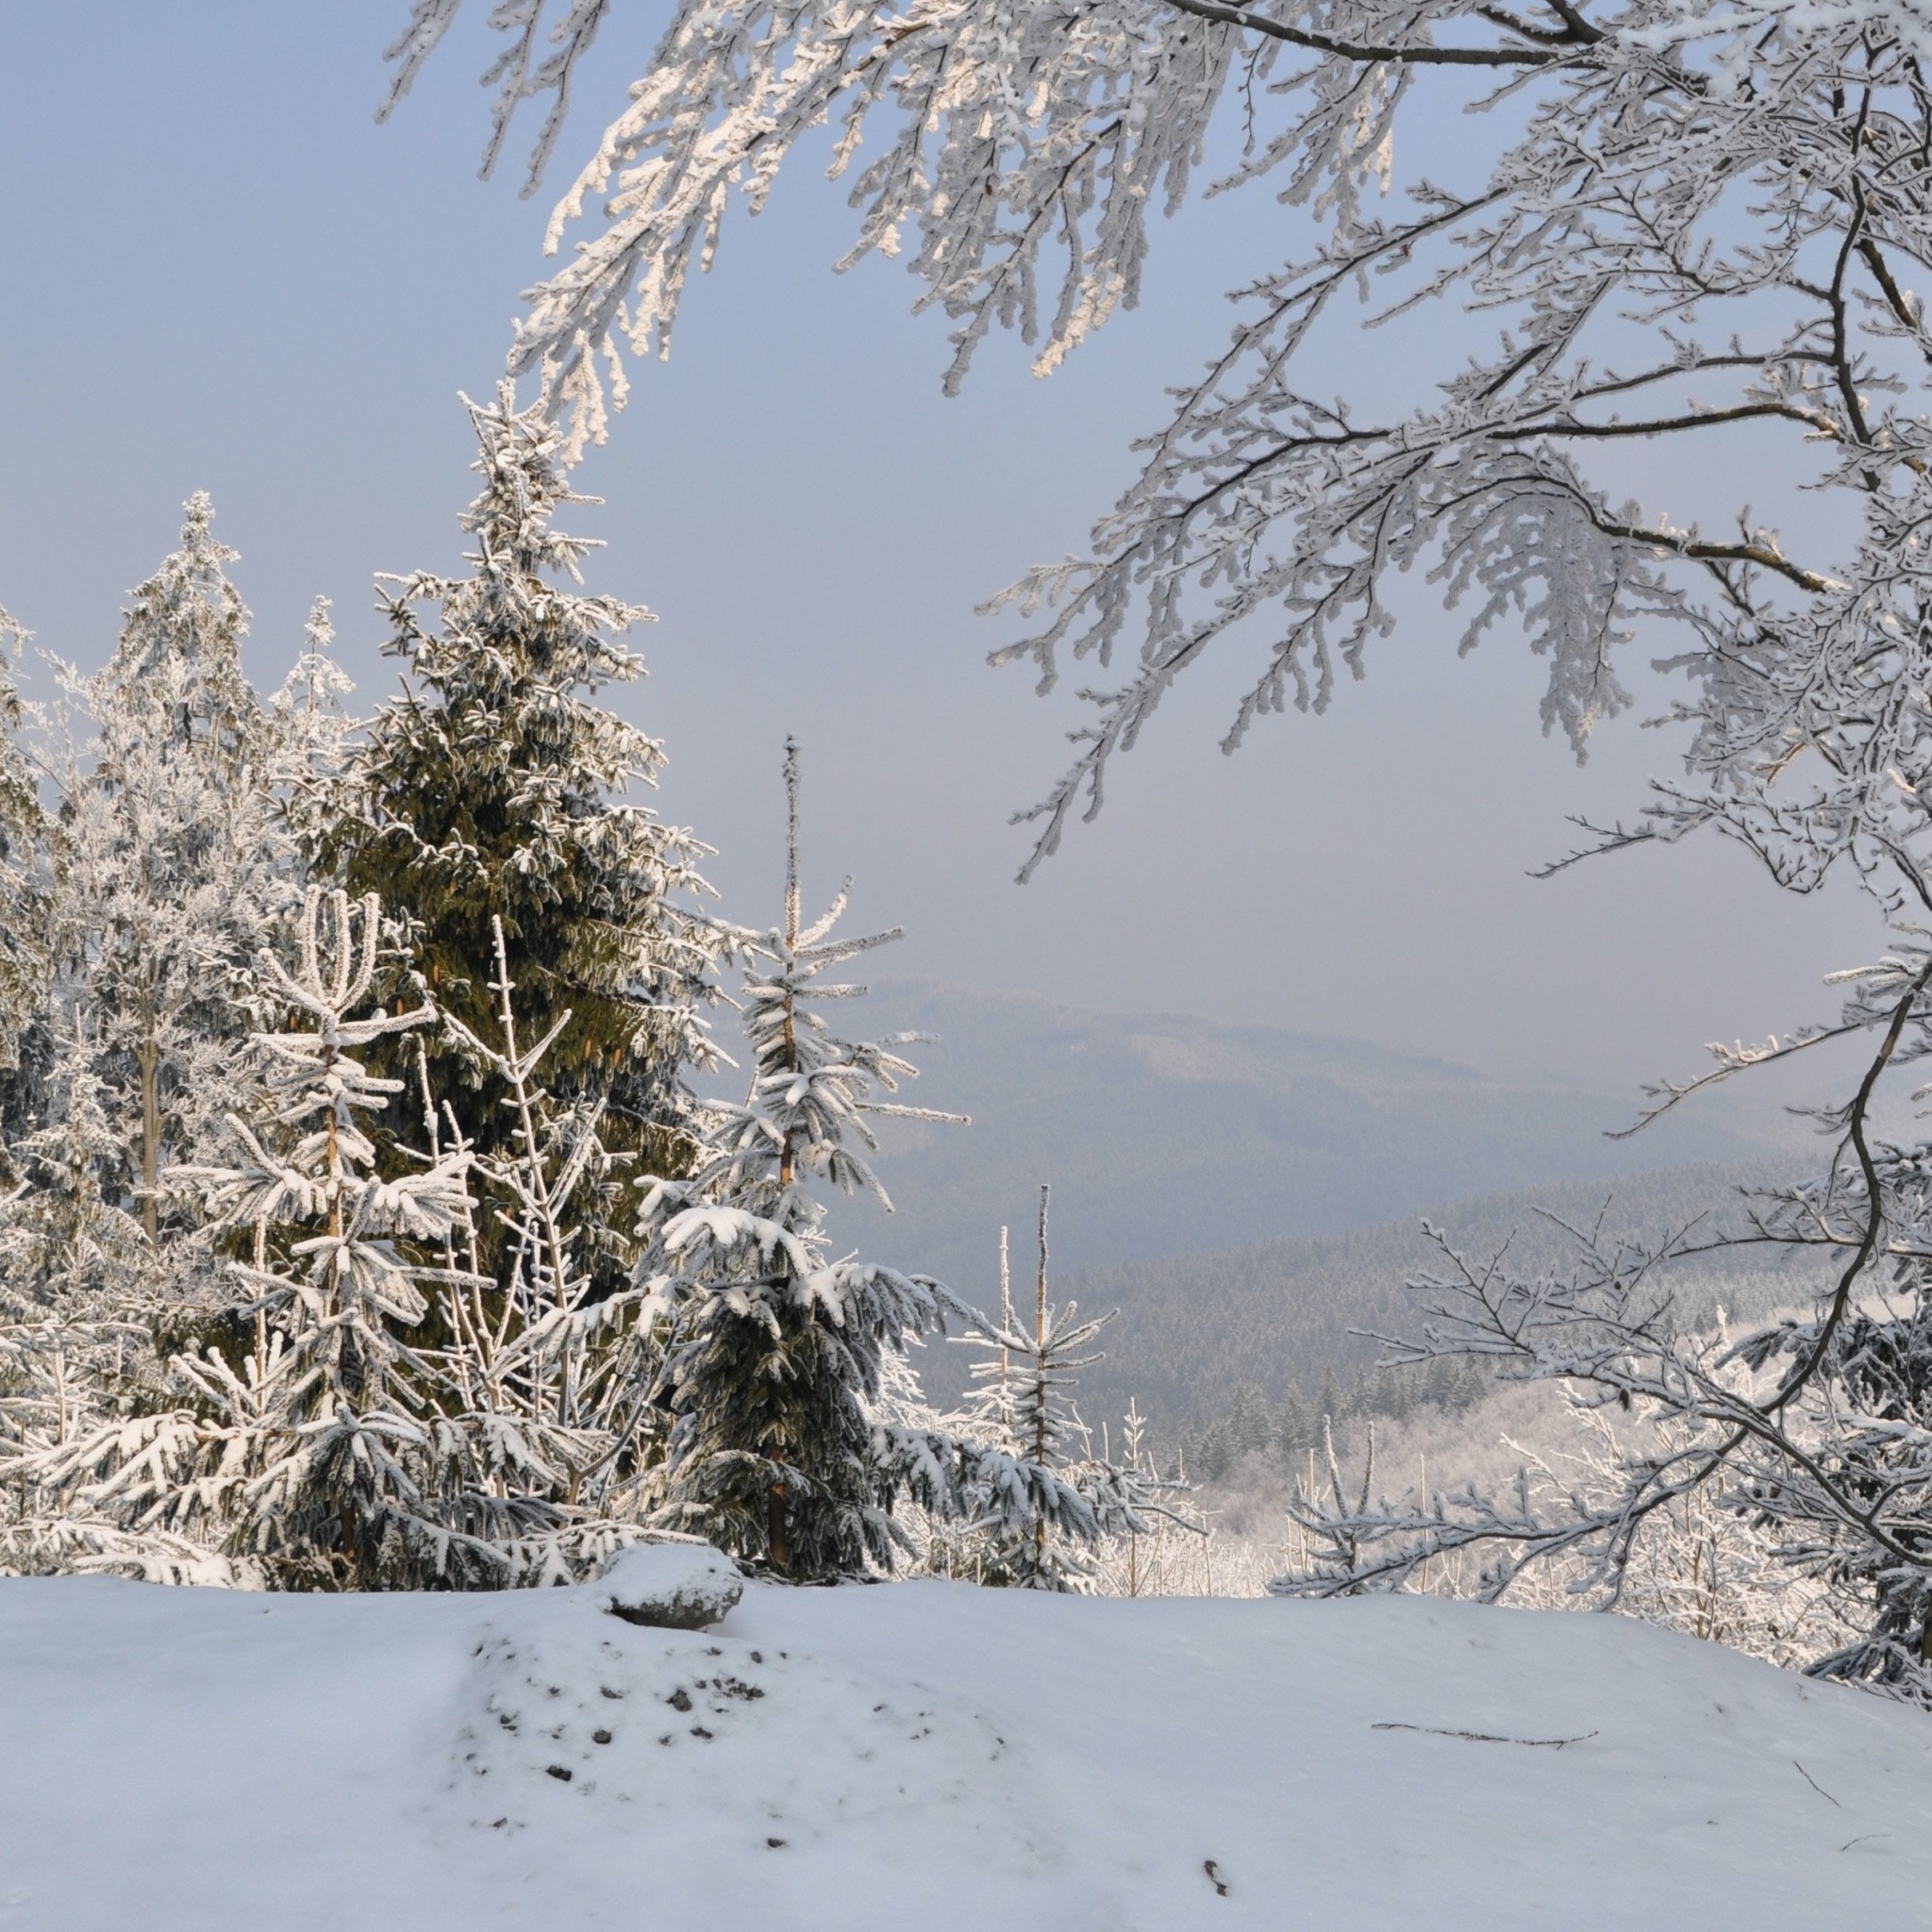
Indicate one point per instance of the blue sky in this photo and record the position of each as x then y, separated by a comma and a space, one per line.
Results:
222, 274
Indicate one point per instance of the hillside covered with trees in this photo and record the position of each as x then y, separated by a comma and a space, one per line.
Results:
430, 1210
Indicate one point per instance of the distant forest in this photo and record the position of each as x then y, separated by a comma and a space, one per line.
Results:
1246, 1349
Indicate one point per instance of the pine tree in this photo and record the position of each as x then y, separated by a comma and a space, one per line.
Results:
492, 791
172, 865
777, 1351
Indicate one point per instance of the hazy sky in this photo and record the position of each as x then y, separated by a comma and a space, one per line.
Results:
220, 273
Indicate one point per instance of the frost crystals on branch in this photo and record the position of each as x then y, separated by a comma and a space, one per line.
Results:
1815, 1432
1687, 222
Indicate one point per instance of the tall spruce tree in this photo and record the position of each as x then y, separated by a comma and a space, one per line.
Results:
494, 790
172, 866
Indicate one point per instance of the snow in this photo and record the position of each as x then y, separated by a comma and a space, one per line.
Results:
675, 1585
930, 1755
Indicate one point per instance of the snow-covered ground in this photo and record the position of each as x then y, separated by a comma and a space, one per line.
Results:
924, 1756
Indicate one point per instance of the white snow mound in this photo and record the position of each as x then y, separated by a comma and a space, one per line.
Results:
929, 1756
673, 1586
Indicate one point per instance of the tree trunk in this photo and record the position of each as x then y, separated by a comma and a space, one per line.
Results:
150, 1135
777, 1550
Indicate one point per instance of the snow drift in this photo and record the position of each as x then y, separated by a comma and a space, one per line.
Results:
926, 1755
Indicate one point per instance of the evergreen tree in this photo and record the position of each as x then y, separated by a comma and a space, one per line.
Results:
1249, 1423
1049, 1493
64, 1243
315, 1458
1331, 1405
77, 1365
492, 789
171, 867
777, 1351
549, 1378
1294, 1430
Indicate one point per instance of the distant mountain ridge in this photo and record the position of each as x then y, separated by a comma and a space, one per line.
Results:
1165, 1135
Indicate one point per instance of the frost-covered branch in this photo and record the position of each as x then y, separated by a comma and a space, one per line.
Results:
1689, 221
1816, 1429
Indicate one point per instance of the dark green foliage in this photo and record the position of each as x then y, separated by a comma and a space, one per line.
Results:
494, 789
776, 1349
774, 1448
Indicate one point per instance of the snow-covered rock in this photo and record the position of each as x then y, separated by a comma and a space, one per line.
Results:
671, 1585
928, 1754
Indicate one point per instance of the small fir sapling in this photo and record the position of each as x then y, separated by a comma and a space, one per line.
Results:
776, 1349
1023, 1407
545, 1379
316, 1461
486, 1457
